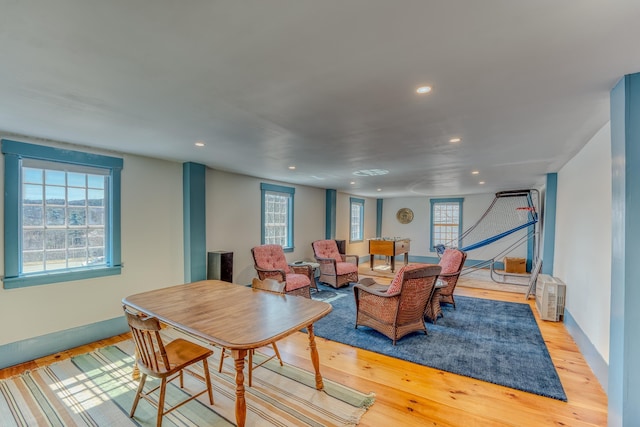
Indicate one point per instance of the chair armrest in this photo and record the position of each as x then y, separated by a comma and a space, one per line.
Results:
283, 275
302, 269
344, 258
383, 294
367, 281
326, 260
445, 275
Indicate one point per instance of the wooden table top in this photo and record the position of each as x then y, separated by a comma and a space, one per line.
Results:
233, 316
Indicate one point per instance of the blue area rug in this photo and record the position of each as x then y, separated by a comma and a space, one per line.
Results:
492, 341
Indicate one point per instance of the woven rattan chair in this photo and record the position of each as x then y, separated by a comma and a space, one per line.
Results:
270, 263
399, 309
267, 285
166, 362
335, 269
451, 262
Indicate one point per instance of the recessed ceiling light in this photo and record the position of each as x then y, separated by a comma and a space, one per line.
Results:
292, 167
481, 183
379, 189
352, 183
424, 89
199, 144
453, 140
371, 172
475, 172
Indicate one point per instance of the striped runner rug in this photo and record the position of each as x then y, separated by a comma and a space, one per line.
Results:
96, 389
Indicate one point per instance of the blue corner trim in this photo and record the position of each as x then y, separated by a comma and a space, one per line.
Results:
195, 221
549, 223
379, 203
330, 214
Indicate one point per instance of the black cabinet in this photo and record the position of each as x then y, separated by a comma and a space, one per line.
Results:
220, 266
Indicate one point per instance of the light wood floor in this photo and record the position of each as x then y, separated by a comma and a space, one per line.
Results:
412, 395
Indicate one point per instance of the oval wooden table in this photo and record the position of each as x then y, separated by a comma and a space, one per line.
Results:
235, 317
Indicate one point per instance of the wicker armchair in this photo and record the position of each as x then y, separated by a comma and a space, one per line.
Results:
335, 270
451, 262
398, 310
270, 263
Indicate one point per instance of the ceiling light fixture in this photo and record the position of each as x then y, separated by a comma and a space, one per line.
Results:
424, 89
379, 189
481, 183
292, 167
352, 183
199, 144
475, 172
454, 140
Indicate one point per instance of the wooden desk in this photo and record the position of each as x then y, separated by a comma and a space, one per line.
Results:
235, 317
389, 248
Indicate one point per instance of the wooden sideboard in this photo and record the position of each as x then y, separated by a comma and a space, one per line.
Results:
390, 248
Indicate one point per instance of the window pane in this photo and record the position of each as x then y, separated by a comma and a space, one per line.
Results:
56, 233
276, 226
32, 194
32, 216
77, 196
446, 223
55, 216
54, 195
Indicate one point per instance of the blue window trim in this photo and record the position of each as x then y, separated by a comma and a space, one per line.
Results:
264, 187
14, 152
458, 200
356, 201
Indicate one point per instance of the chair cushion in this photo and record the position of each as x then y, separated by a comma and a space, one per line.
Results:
327, 249
396, 283
345, 268
270, 257
296, 281
450, 261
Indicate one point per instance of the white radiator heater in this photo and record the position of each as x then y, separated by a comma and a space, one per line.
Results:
550, 296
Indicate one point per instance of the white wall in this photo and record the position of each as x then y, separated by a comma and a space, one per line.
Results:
152, 251
583, 238
233, 219
419, 229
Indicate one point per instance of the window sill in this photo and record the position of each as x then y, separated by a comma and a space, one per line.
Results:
58, 277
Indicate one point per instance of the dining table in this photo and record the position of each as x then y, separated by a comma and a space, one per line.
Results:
234, 317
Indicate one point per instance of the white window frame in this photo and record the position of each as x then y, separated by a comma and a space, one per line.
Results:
356, 220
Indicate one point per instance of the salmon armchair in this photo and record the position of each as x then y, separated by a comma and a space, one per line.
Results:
336, 269
270, 263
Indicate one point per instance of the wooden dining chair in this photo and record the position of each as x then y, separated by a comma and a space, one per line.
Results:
165, 362
266, 285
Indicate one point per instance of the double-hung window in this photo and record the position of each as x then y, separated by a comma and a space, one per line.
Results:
356, 227
277, 215
446, 222
62, 215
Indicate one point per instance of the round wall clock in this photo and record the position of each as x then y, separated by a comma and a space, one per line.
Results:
404, 215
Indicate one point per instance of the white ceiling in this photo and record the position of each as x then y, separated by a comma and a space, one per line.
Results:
325, 85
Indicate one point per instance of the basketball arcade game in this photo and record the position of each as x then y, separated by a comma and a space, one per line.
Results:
512, 213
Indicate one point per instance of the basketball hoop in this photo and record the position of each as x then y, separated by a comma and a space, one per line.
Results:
525, 212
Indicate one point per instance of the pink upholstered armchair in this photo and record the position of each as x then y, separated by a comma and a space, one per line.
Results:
451, 262
398, 309
335, 268
270, 263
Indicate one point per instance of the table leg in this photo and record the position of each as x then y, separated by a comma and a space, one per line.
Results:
371, 261
315, 360
406, 258
241, 404
393, 263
